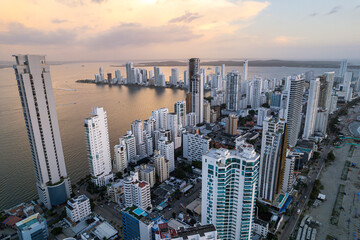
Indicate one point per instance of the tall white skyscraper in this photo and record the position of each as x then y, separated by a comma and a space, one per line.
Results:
196, 89
174, 76
273, 155
244, 77
101, 73
161, 166
293, 110
180, 110
130, 73
223, 71
121, 161
343, 68
157, 73
186, 79
256, 92
118, 76
130, 146
160, 115
229, 186
311, 109
137, 192
166, 149
37, 100
232, 91
137, 130
98, 146
172, 125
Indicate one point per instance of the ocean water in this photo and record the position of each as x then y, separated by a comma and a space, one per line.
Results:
74, 102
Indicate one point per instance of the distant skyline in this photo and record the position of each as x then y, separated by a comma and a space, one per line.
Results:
75, 30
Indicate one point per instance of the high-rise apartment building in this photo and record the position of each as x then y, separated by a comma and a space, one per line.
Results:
174, 76
137, 192
207, 111
137, 130
180, 110
161, 166
232, 91
312, 108
146, 173
194, 146
130, 73
130, 146
196, 89
37, 100
343, 68
273, 155
98, 146
121, 160
160, 115
231, 124
256, 92
166, 149
229, 188
293, 110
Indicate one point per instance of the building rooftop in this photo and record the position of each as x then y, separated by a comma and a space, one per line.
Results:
28, 222
201, 230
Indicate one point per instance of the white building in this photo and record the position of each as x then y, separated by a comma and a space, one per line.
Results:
146, 173
78, 208
98, 146
195, 146
160, 116
172, 125
273, 153
261, 227
174, 76
166, 149
114, 190
256, 92
311, 109
196, 89
191, 119
161, 166
232, 211
33, 227
207, 111
37, 99
130, 146
293, 110
288, 178
137, 130
180, 111
262, 113
121, 160
137, 192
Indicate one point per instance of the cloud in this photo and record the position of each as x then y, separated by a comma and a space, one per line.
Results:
284, 40
187, 18
358, 6
313, 14
58, 21
75, 3
334, 10
136, 34
18, 34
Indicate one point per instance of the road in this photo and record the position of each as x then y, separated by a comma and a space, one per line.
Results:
314, 174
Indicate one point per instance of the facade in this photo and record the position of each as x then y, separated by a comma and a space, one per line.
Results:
256, 88
160, 116
174, 76
244, 78
273, 154
261, 227
121, 160
231, 124
232, 91
311, 109
37, 100
33, 227
98, 146
180, 111
166, 149
207, 111
137, 130
137, 192
191, 119
161, 166
130, 76
78, 208
114, 190
195, 146
130, 146
146, 173
293, 110
288, 178
229, 188
172, 125
196, 89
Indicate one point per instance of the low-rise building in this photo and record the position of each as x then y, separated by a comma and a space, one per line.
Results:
114, 190
78, 208
102, 231
33, 227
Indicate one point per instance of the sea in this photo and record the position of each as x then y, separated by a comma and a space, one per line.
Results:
74, 102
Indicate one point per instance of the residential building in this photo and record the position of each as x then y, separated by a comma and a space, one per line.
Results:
33, 227
114, 190
166, 149
229, 187
195, 146
198, 232
232, 91
196, 89
343, 68
261, 227
137, 130
160, 115
207, 112
256, 88
130, 146
121, 160
244, 78
293, 110
174, 76
273, 157
98, 146
161, 166
172, 125
78, 208
180, 111
146, 173
231, 124
39, 109
137, 192
311, 110
191, 119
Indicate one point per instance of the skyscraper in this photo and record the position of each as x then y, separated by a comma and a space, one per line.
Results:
244, 78
98, 146
37, 100
232, 91
311, 109
196, 89
130, 77
180, 110
161, 166
137, 130
343, 68
293, 110
174, 76
229, 186
121, 161
256, 92
272, 162
231, 124
166, 149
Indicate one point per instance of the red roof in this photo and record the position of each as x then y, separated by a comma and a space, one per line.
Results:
11, 221
142, 184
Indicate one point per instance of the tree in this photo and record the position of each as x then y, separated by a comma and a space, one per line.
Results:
252, 112
180, 173
331, 156
56, 231
248, 106
174, 214
197, 164
265, 105
119, 175
316, 155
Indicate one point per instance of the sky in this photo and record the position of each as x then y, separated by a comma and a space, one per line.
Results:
72, 30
